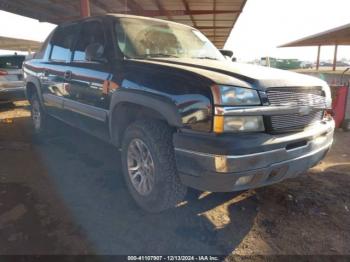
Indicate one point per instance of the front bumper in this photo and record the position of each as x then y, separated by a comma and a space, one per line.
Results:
243, 161
12, 94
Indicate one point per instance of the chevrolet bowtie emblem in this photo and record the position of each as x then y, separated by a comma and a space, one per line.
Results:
303, 111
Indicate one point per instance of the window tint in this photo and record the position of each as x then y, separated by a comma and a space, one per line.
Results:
91, 33
62, 42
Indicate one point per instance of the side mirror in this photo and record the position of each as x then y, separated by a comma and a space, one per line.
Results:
94, 52
228, 53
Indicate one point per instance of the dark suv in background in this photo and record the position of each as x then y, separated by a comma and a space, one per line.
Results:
181, 114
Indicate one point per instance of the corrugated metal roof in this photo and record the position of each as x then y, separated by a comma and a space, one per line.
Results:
215, 18
336, 36
15, 44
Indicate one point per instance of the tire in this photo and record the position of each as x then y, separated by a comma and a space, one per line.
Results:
39, 117
165, 189
346, 125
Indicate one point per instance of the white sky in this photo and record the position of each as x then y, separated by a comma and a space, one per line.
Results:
22, 27
263, 25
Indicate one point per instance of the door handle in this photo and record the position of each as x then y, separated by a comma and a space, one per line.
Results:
44, 74
67, 75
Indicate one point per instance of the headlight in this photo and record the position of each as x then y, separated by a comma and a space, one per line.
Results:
224, 124
235, 96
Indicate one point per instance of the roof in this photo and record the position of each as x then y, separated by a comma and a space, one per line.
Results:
335, 36
215, 18
15, 44
12, 55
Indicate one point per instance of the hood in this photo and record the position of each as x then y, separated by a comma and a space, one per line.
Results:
245, 75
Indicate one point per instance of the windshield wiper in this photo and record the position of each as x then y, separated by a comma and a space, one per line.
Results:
158, 55
205, 57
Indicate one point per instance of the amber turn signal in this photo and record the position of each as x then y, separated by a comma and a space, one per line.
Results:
218, 124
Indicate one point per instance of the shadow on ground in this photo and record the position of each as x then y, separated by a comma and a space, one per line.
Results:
65, 195
87, 175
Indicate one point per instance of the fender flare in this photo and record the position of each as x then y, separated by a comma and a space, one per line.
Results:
35, 81
161, 104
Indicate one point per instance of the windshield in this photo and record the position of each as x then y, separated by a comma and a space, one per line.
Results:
143, 38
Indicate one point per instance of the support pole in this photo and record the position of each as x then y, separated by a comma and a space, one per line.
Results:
335, 57
318, 58
268, 64
85, 8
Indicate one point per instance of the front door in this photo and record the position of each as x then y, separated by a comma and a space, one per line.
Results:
87, 102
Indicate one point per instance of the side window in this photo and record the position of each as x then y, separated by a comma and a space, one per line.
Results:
62, 43
92, 33
44, 49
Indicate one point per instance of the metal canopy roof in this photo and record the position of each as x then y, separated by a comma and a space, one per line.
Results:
336, 36
215, 18
15, 44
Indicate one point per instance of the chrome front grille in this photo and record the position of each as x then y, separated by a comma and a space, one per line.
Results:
295, 121
296, 97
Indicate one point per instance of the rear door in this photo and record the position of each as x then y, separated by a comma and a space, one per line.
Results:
54, 75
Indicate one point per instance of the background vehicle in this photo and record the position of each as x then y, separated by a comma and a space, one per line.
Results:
307, 65
285, 64
181, 113
11, 78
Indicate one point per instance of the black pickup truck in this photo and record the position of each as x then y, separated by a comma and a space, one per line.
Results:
181, 114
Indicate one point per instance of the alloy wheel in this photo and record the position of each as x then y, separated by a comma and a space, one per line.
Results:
140, 167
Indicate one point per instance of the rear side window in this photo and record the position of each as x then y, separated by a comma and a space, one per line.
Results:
92, 33
62, 43
11, 62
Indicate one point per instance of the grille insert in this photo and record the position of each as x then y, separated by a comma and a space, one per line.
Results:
296, 97
295, 121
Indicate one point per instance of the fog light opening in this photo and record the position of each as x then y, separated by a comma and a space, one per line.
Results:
244, 180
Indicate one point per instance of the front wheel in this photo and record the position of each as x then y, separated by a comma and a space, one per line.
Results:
149, 166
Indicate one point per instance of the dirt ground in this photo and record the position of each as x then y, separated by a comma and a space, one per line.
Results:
66, 195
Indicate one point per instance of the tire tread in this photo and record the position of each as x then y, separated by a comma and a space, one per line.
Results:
159, 135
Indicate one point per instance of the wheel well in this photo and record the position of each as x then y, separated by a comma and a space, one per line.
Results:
30, 90
126, 113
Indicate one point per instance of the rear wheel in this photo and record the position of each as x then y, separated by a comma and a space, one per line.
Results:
149, 166
39, 118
